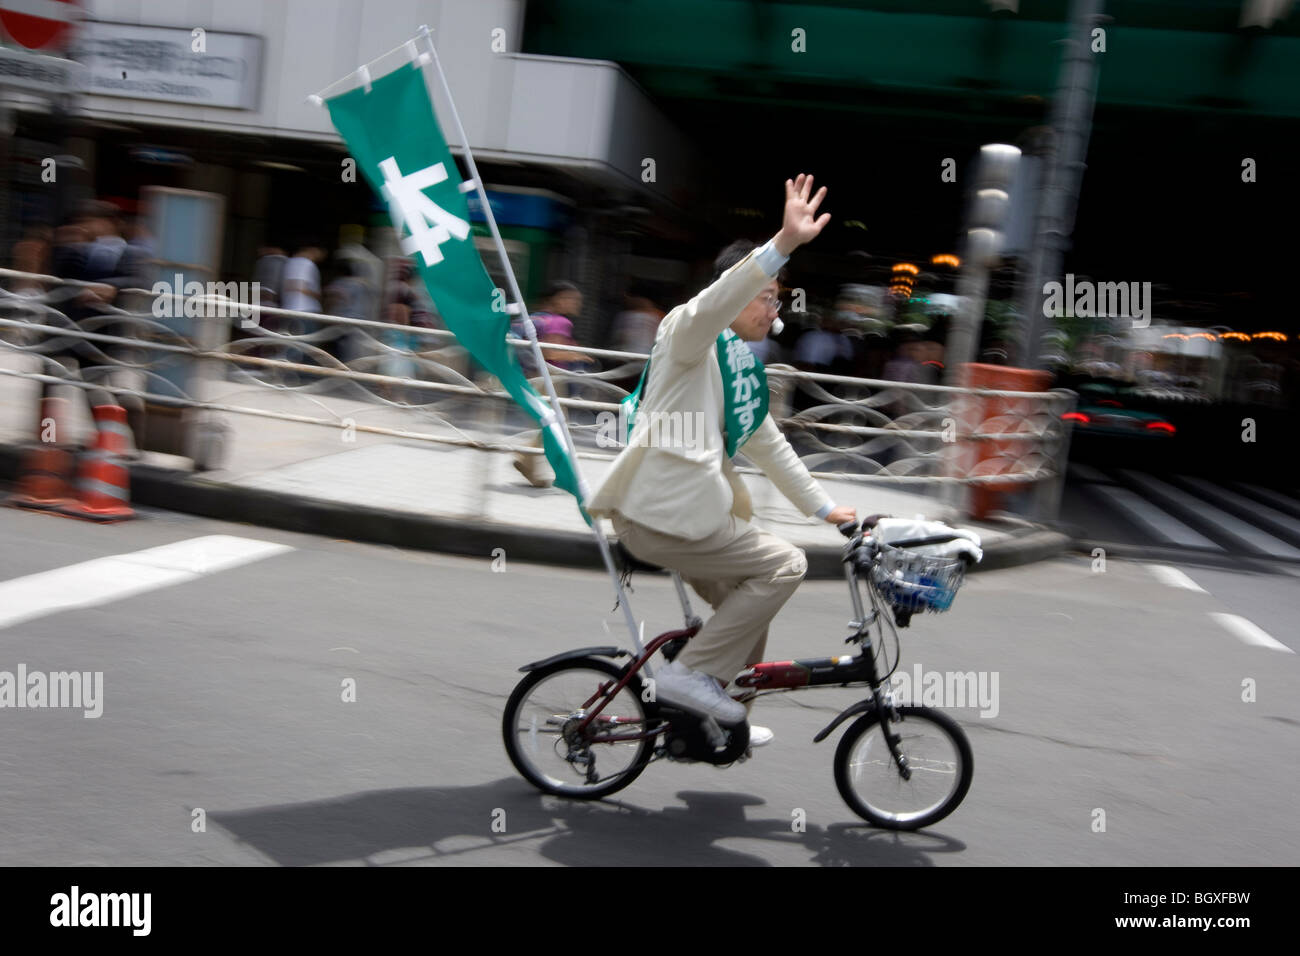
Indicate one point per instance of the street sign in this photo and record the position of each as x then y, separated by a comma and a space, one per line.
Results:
39, 24
160, 63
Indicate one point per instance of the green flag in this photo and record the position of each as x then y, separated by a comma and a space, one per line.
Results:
394, 136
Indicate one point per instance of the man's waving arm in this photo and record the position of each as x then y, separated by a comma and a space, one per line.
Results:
695, 326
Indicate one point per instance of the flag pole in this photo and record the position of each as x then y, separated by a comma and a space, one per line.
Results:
475, 184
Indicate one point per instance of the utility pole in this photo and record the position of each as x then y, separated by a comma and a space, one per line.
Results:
1058, 198
994, 174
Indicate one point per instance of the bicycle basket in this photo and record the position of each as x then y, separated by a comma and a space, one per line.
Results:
916, 582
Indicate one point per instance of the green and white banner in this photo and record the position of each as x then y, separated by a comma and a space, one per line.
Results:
392, 133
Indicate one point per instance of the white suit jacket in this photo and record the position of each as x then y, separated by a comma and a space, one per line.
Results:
674, 475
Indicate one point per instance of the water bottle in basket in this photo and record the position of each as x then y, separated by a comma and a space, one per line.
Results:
928, 578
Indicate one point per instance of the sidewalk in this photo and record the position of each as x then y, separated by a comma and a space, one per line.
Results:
420, 494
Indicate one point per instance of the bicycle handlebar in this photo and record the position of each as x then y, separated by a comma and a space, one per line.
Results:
920, 542
850, 528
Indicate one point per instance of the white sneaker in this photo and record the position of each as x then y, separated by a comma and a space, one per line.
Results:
696, 692
760, 736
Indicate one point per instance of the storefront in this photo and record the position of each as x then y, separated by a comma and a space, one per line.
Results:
222, 108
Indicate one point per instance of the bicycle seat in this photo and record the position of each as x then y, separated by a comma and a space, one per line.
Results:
630, 562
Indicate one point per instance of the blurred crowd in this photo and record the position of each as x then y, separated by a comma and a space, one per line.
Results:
98, 244
852, 333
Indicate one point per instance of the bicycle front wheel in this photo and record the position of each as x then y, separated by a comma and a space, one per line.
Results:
938, 759
544, 740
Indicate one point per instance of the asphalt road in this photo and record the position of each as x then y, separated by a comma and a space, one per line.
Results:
223, 691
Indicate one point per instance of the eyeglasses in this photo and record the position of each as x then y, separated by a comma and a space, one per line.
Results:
770, 301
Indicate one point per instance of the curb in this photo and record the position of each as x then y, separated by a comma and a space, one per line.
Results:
179, 491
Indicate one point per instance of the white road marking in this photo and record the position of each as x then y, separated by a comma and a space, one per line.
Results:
1164, 526
1082, 472
1242, 531
120, 576
1276, 498
1174, 578
1249, 632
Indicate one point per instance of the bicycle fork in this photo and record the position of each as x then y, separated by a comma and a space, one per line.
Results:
886, 710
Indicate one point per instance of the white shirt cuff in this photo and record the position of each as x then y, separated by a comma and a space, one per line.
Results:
769, 259
824, 510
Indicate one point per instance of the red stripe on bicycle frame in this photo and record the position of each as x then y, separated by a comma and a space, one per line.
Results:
651, 649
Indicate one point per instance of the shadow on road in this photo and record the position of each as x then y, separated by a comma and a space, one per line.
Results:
456, 825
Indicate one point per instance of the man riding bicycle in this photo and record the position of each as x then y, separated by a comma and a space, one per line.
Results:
673, 495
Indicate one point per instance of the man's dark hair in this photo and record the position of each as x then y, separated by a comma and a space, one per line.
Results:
729, 256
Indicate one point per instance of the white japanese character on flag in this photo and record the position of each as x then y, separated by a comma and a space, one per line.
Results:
429, 224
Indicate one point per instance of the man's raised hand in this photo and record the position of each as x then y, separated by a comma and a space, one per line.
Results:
801, 223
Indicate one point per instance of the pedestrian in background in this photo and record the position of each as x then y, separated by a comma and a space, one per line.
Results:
92, 249
561, 304
905, 366
363, 264
300, 280
636, 325
32, 253
268, 273
553, 322
823, 348
95, 251
350, 296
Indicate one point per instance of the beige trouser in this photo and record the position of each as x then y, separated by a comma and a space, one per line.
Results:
745, 574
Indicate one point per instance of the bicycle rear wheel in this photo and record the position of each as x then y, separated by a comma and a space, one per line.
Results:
540, 726
938, 757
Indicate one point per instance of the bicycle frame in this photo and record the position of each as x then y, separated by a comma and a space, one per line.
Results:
772, 676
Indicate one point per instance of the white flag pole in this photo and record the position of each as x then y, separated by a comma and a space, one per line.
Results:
556, 413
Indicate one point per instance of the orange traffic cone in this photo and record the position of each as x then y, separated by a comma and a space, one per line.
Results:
45, 475
103, 483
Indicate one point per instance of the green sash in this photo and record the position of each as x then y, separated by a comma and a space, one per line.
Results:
744, 387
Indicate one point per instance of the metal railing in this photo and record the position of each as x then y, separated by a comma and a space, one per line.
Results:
226, 360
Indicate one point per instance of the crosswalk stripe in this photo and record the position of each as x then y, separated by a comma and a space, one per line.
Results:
1229, 525
1155, 521
1275, 498
103, 580
1174, 578
1081, 472
1249, 631
1281, 525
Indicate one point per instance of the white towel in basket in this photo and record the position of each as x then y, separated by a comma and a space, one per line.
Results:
890, 530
